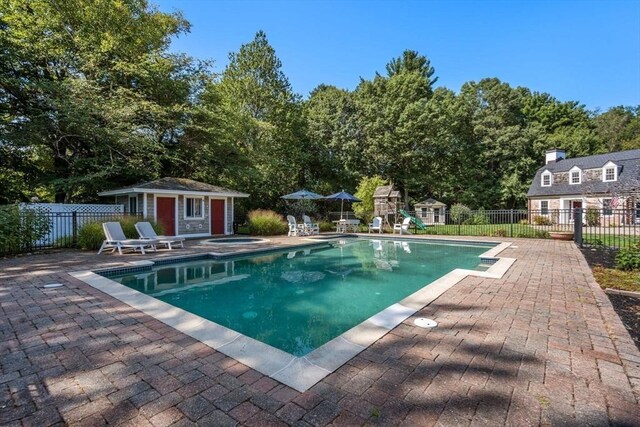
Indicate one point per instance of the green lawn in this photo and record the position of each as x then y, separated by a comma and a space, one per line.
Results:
612, 241
492, 230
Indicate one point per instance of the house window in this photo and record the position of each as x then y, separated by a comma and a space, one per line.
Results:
423, 212
575, 177
193, 208
609, 174
607, 207
546, 179
544, 207
133, 204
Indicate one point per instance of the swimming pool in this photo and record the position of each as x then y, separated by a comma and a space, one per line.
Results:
234, 241
297, 315
299, 300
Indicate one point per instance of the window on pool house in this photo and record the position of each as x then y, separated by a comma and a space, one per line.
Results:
193, 207
546, 179
607, 208
544, 207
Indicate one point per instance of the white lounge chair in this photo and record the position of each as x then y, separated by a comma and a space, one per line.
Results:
115, 239
376, 225
402, 228
310, 227
294, 228
146, 232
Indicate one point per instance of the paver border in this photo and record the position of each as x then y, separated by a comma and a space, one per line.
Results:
299, 373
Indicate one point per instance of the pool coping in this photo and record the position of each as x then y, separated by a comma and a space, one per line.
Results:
299, 373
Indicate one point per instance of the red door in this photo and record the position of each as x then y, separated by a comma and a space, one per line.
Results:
217, 216
166, 215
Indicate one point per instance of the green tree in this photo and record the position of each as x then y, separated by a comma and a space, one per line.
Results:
271, 134
89, 93
366, 188
619, 128
390, 111
335, 137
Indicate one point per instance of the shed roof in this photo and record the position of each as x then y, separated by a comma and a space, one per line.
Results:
430, 203
386, 191
175, 185
628, 163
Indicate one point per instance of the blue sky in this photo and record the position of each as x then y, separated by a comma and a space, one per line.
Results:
587, 51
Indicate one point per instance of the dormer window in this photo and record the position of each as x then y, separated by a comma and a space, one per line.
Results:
547, 179
609, 172
575, 176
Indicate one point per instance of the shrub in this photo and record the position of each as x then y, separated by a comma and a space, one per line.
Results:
541, 220
20, 229
326, 226
264, 222
500, 233
478, 218
628, 259
91, 236
592, 216
459, 213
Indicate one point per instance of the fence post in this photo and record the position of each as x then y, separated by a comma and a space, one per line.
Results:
577, 227
511, 222
74, 228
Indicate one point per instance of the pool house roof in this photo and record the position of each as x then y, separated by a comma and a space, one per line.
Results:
170, 185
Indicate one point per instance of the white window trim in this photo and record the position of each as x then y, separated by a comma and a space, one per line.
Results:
548, 207
193, 218
610, 165
575, 169
550, 175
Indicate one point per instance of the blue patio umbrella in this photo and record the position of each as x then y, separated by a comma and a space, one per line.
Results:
302, 195
342, 196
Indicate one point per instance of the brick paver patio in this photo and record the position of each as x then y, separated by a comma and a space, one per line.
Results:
540, 346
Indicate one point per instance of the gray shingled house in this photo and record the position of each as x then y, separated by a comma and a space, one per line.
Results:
603, 181
182, 206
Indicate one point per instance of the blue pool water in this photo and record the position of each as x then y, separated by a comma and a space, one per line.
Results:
297, 301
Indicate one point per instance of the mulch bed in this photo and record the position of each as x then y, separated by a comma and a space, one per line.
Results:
628, 308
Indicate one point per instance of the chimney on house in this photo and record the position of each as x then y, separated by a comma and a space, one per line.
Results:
554, 155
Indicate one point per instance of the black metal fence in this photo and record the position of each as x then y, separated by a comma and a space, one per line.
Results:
34, 230
613, 228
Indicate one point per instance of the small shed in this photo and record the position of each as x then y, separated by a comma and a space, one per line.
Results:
431, 211
386, 201
182, 206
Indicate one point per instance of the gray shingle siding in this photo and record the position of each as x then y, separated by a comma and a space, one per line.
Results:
628, 163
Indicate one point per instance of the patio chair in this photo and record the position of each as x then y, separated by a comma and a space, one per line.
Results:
115, 239
376, 225
402, 228
310, 228
146, 232
294, 228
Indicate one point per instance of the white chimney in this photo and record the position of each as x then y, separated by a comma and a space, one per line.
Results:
554, 155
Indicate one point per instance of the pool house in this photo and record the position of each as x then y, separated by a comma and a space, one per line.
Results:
182, 206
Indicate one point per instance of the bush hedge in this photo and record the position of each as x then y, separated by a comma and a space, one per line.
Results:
264, 222
20, 229
91, 236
